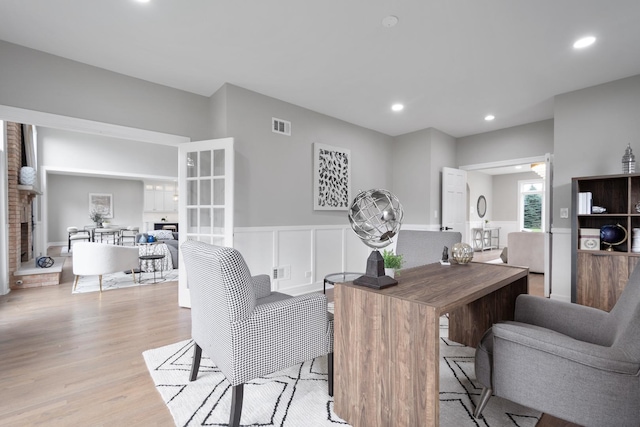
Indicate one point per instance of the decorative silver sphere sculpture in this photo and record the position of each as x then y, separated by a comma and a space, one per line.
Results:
376, 217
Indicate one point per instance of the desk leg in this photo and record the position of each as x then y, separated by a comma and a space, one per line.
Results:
386, 360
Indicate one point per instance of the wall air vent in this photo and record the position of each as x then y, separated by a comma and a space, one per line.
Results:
282, 272
280, 126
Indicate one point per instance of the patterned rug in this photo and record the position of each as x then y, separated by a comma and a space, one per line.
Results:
297, 396
121, 280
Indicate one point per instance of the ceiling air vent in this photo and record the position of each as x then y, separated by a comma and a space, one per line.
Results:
281, 126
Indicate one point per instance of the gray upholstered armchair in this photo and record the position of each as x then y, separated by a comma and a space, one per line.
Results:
419, 247
574, 362
244, 328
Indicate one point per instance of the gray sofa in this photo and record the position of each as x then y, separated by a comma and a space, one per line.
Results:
424, 247
172, 244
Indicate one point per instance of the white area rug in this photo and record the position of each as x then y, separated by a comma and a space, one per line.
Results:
121, 280
64, 251
297, 396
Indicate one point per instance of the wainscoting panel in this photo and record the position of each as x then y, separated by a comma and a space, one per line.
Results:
305, 254
356, 253
293, 254
329, 253
257, 249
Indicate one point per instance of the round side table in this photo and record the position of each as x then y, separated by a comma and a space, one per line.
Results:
153, 259
334, 278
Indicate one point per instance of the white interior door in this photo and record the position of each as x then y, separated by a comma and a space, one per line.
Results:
454, 200
205, 208
548, 237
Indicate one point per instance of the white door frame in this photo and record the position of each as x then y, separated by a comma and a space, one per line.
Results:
547, 159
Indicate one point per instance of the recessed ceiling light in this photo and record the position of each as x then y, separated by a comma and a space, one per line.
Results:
489, 117
584, 42
397, 107
518, 167
389, 21
143, 1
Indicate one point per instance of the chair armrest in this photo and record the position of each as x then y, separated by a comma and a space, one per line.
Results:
574, 320
610, 359
280, 334
261, 285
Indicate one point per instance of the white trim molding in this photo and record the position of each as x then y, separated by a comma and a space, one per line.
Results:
39, 118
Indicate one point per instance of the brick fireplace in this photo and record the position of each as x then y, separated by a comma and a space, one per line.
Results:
21, 219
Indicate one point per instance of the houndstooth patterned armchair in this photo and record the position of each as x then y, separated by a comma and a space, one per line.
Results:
244, 328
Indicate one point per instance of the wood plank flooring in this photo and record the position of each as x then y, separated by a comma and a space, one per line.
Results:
76, 360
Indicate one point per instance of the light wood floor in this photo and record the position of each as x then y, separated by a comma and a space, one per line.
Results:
76, 360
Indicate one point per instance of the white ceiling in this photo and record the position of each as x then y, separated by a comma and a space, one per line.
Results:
450, 62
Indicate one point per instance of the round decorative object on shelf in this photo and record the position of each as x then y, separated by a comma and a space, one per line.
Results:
613, 235
45, 262
462, 253
27, 175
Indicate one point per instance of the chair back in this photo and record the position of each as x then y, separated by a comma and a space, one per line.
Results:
97, 258
624, 318
424, 247
219, 282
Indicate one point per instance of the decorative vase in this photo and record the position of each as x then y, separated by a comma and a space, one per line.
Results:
390, 272
27, 175
142, 239
462, 253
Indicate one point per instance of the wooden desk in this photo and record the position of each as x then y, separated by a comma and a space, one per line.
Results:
386, 345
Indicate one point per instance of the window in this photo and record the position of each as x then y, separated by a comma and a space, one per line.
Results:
531, 205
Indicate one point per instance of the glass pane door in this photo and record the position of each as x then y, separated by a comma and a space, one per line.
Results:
206, 210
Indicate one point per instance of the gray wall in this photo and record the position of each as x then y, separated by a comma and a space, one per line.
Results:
443, 154
274, 172
480, 184
411, 180
73, 151
68, 202
505, 195
592, 129
418, 159
39, 81
530, 140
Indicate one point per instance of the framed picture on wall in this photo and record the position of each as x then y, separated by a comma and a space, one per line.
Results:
102, 203
332, 177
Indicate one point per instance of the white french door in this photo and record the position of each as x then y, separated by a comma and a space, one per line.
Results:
548, 236
205, 182
454, 200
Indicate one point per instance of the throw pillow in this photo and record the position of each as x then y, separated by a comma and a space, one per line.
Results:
162, 234
503, 255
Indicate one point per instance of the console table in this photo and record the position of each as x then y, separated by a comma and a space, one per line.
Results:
485, 238
387, 345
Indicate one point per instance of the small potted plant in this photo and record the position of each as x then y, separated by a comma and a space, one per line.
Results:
392, 262
96, 217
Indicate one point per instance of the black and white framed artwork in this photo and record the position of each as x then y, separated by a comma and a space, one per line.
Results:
332, 177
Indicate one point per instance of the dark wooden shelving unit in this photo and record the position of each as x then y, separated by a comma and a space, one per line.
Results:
599, 276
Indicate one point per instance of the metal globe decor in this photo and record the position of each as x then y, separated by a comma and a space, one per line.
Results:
375, 216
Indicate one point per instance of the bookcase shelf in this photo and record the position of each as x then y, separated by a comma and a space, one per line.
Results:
598, 276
